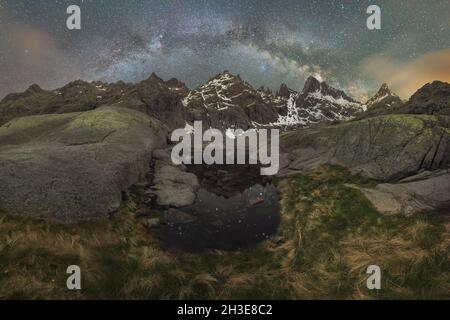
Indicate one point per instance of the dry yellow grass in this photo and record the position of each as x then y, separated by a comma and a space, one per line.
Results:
328, 236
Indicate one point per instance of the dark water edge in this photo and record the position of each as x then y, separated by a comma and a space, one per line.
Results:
235, 208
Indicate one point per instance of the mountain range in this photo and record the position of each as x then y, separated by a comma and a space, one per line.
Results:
225, 101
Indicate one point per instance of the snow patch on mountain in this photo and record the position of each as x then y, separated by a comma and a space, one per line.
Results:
292, 118
384, 97
339, 101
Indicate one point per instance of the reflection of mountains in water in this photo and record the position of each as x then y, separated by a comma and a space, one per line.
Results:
216, 222
228, 180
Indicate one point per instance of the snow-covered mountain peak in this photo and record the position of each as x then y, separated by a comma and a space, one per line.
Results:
226, 97
318, 102
382, 93
223, 91
383, 98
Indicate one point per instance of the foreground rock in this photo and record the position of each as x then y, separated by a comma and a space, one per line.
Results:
412, 197
385, 148
74, 166
171, 185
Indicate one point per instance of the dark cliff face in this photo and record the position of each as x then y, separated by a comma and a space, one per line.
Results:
284, 91
157, 98
432, 98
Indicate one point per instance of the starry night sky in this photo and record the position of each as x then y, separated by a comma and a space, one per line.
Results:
266, 42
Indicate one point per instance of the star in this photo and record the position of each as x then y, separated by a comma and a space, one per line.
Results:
194, 40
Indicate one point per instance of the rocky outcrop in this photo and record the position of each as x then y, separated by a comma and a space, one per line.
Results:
157, 98
172, 185
432, 98
410, 154
386, 148
74, 166
284, 91
429, 192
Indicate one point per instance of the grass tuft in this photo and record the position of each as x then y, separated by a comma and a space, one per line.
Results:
329, 235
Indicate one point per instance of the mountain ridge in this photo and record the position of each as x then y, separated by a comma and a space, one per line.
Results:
225, 101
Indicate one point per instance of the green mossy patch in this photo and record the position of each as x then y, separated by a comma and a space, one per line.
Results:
109, 118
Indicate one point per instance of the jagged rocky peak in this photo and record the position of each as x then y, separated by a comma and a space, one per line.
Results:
432, 98
153, 79
382, 93
284, 91
265, 90
30, 91
34, 88
77, 83
435, 89
225, 76
175, 83
227, 101
384, 98
225, 86
316, 86
176, 86
78, 89
154, 82
384, 89
318, 103
312, 84
267, 95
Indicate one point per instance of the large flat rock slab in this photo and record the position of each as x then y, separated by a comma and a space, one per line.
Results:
411, 197
74, 166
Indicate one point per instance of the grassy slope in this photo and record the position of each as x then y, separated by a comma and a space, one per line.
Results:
328, 237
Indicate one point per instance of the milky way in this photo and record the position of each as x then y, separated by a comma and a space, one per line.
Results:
266, 42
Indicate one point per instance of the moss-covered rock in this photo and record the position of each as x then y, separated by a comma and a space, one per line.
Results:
72, 167
385, 148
